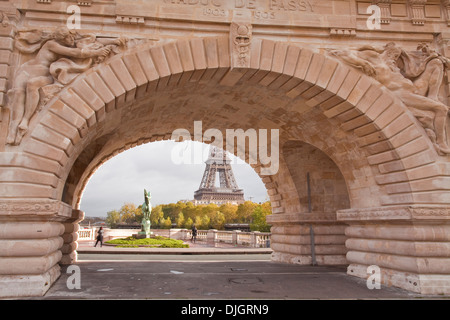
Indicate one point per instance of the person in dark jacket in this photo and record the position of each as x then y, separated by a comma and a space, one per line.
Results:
99, 237
194, 233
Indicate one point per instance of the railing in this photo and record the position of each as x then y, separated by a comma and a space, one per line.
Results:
202, 235
86, 234
263, 240
224, 236
253, 239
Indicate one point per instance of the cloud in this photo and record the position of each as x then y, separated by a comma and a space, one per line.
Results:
151, 166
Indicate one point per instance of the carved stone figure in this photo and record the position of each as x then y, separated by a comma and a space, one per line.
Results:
426, 70
146, 211
61, 56
241, 40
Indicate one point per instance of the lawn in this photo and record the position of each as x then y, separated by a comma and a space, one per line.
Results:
156, 242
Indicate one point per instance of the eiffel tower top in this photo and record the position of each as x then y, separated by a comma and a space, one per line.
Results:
217, 155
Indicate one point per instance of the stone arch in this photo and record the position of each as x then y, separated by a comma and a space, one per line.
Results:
384, 129
318, 180
374, 139
314, 236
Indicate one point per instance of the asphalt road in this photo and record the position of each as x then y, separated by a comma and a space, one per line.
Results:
210, 277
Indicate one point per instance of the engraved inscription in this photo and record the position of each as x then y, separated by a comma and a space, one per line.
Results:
215, 12
216, 3
248, 4
264, 15
290, 5
265, 8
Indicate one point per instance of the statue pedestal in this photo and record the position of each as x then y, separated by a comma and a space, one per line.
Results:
142, 235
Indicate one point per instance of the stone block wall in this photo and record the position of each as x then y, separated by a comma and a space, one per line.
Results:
308, 238
327, 187
410, 246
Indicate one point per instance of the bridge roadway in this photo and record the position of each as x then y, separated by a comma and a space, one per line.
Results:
199, 273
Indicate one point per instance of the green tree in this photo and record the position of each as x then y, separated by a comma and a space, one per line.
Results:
218, 221
180, 220
259, 218
205, 222
230, 212
129, 213
112, 218
188, 223
156, 216
165, 223
245, 210
209, 210
198, 222
189, 210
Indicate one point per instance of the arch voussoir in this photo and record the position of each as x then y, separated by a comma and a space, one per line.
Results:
106, 94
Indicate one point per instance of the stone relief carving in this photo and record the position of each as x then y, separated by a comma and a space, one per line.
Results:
4, 20
241, 34
61, 55
414, 77
417, 11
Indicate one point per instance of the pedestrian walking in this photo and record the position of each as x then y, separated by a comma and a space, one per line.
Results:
194, 233
99, 237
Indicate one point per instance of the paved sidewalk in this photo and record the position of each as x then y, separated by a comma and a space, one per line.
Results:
87, 247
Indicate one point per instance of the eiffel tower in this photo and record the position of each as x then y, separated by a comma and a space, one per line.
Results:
228, 192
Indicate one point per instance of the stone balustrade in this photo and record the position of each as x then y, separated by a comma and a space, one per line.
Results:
86, 234
254, 239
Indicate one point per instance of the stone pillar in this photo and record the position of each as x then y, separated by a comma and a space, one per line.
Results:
184, 234
235, 237
254, 239
212, 236
70, 237
30, 242
410, 245
291, 238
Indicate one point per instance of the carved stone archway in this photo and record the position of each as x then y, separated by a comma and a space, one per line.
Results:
396, 182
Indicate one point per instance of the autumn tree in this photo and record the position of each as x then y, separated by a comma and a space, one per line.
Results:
112, 218
180, 220
186, 214
198, 222
205, 222
218, 221
156, 216
259, 217
245, 210
188, 223
165, 223
229, 212
129, 213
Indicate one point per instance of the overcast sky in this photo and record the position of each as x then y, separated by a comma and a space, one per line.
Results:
153, 166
